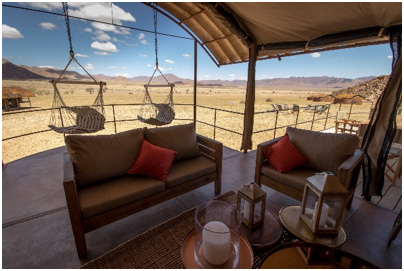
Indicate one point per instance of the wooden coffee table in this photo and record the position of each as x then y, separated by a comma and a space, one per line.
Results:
265, 235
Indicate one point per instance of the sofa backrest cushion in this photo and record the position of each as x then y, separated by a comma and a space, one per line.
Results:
179, 138
99, 157
325, 151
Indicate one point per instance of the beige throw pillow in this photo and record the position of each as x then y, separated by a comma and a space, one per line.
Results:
325, 151
99, 157
179, 138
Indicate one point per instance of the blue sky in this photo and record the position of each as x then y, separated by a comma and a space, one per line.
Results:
38, 39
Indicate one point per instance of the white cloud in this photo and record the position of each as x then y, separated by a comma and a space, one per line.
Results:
88, 29
112, 67
206, 76
110, 28
47, 26
127, 75
107, 46
142, 38
186, 56
48, 67
315, 55
143, 55
48, 6
102, 36
149, 65
100, 12
102, 53
11, 32
390, 57
169, 61
80, 55
231, 75
89, 66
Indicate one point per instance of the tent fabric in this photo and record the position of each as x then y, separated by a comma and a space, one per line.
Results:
382, 126
279, 29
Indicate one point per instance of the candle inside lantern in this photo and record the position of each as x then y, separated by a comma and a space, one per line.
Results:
323, 215
246, 210
216, 242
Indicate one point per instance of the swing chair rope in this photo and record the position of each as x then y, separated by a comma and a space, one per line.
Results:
156, 46
76, 119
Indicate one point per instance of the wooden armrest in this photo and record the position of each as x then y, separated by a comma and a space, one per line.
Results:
348, 171
210, 147
352, 161
260, 157
68, 170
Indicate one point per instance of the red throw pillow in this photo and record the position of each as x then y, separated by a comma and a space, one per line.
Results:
153, 161
283, 156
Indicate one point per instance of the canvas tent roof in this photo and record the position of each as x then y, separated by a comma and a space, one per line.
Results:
16, 92
281, 29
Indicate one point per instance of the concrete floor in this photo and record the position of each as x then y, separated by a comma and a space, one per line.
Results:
37, 231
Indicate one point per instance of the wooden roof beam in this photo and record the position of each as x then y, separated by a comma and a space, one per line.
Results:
192, 16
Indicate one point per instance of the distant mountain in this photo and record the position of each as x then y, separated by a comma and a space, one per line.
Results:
11, 71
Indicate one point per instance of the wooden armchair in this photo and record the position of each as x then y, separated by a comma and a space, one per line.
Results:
314, 146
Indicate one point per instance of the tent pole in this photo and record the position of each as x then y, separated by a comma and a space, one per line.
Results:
249, 101
195, 77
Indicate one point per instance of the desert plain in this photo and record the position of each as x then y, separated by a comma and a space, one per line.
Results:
123, 100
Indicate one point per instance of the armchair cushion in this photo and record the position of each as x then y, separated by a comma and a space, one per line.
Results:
295, 178
283, 156
101, 157
325, 152
179, 138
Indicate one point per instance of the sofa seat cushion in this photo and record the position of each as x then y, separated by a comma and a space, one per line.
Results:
189, 169
116, 192
326, 152
179, 138
295, 178
99, 157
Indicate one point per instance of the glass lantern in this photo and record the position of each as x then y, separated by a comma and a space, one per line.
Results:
323, 204
217, 235
251, 201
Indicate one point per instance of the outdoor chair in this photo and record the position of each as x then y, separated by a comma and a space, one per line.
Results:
322, 152
322, 109
279, 107
274, 107
286, 107
307, 108
295, 108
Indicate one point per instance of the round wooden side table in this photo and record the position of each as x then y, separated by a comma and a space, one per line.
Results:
290, 218
265, 235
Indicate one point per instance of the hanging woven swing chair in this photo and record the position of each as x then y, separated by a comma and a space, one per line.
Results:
157, 114
76, 119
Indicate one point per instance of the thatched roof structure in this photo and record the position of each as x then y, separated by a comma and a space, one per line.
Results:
16, 92
226, 29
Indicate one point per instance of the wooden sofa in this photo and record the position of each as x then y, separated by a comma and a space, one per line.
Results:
99, 191
335, 153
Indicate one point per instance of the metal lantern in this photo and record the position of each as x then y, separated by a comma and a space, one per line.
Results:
323, 204
251, 204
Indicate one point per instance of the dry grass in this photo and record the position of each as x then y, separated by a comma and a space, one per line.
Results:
226, 98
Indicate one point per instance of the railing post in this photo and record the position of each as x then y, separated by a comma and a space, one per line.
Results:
113, 112
326, 117
297, 117
214, 125
276, 122
312, 121
350, 110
